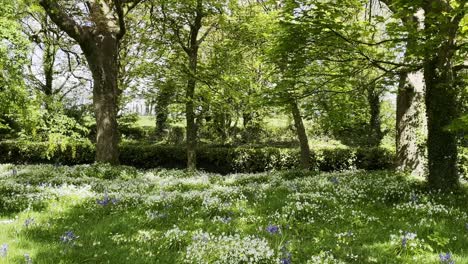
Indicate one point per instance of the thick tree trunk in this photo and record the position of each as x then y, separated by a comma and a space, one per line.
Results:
441, 94
301, 134
190, 112
102, 57
410, 123
441, 111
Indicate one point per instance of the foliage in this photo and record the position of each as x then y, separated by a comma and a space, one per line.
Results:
14, 101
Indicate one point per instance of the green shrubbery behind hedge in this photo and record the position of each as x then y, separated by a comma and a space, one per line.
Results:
212, 159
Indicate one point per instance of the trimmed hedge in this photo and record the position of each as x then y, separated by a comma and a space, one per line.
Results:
212, 159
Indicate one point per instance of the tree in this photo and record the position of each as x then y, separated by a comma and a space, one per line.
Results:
98, 27
441, 51
185, 21
14, 103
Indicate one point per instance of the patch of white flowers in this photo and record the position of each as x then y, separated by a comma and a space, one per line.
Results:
228, 249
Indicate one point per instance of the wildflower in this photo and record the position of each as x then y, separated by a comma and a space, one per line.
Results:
414, 197
27, 258
407, 236
446, 258
286, 260
14, 172
286, 256
226, 219
404, 240
4, 250
334, 180
272, 229
106, 200
68, 238
28, 222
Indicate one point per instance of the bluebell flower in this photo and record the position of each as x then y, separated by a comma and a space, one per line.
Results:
68, 238
106, 200
334, 180
407, 236
272, 229
226, 219
14, 172
404, 241
27, 258
446, 258
4, 250
286, 260
28, 222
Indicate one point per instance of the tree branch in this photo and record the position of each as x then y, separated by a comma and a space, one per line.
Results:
63, 20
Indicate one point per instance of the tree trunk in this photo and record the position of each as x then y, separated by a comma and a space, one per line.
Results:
375, 122
301, 134
410, 123
441, 95
190, 112
162, 103
102, 57
441, 111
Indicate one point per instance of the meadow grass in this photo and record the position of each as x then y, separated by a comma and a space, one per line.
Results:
104, 214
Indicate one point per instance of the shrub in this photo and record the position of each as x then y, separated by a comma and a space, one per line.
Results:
209, 158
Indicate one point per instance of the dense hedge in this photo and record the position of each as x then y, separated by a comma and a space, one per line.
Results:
212, 159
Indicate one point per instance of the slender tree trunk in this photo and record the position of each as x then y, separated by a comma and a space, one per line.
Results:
162, 103
375, 122
190, 112
410, 123
102, 57
301, 134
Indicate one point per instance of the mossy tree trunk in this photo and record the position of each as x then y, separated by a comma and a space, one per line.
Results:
440, 33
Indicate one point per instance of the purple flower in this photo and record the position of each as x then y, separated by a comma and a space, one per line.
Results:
286, 256
272, 229
404, 240
68, 238
446, 258
28, 222
4, 250
334, 180
27, 258
226, 220
286, 260
407, 236
106, 200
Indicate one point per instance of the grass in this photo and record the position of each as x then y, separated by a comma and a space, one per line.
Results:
103, 214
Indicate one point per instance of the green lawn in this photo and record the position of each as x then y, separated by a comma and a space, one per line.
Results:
102, 214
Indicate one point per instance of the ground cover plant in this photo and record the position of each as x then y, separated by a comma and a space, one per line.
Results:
108, 214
